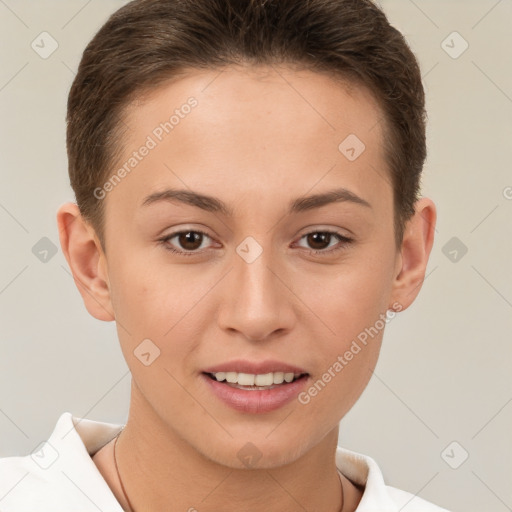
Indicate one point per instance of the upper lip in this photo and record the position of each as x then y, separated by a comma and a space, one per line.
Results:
255, 367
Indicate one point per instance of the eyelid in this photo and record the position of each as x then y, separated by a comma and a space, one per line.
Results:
316, 228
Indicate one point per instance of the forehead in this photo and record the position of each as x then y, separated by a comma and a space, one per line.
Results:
259, 130
325, 99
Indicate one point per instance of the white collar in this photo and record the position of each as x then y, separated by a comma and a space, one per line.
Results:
61, 475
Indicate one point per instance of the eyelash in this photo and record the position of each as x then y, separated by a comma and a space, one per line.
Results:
344, 239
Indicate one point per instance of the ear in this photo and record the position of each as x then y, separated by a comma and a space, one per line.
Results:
414, 253
86, 260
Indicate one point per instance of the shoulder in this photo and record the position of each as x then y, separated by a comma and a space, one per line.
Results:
59, 474
377, 495
27, 482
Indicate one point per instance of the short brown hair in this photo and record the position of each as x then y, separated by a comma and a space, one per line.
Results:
147, 42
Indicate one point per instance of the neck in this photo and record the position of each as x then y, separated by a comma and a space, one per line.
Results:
158, 468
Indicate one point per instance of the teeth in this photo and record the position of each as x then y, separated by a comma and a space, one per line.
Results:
250, 379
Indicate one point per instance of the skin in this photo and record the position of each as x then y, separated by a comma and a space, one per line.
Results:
257, 139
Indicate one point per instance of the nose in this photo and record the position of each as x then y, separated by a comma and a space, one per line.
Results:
257, 300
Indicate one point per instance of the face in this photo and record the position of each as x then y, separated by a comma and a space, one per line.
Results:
256, 271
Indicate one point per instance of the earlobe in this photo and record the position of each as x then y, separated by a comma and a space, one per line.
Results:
86, 260
415, 251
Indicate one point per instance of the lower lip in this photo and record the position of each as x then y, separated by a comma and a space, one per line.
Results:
256, 401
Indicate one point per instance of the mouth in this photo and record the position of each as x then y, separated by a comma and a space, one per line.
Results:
250, 381
262, 388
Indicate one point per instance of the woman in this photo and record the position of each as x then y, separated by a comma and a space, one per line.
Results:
248, 213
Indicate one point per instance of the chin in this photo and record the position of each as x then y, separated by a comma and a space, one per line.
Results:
253, 452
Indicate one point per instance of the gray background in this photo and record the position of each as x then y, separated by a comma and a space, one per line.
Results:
445, 369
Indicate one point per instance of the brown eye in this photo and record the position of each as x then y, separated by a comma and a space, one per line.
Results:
188, 242
319, 242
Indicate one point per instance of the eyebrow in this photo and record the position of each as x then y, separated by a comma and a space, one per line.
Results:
215, 205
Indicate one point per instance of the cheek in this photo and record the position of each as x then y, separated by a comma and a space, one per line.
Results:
350, 317
164, 303
147, 297
352, 310
332, 393
349, 298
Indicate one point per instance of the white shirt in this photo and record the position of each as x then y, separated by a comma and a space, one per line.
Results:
60, 475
